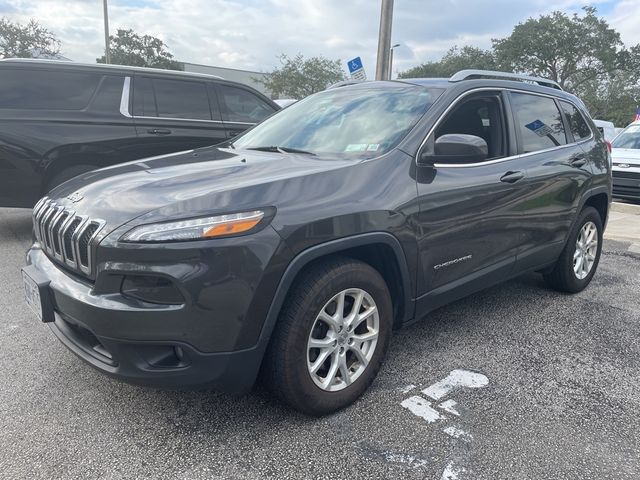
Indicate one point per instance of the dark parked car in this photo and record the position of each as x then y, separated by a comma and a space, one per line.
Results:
60, 119
301, 245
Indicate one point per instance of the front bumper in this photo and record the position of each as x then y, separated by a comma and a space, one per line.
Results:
212, 340
626, 183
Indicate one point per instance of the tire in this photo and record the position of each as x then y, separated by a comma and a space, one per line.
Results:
563, 277
290, 359
67, 174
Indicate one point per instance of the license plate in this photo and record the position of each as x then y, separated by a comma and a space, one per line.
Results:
32, 295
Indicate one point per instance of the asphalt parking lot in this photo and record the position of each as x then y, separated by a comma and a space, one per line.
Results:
556, 395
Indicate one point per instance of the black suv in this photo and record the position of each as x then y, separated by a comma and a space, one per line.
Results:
60, 119
298, 247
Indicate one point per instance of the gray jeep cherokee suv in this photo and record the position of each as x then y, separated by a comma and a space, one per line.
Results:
297, 248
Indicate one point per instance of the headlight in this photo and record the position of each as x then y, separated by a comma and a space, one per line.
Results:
195, 228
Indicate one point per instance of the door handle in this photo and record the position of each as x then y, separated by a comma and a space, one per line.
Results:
159, 131
512, 177
578, 160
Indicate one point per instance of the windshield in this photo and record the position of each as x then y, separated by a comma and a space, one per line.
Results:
629, 138
354, 122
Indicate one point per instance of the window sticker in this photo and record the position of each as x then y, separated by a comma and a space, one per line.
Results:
373, 147
356, 147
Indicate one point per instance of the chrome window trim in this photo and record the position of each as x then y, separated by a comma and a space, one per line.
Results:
124, 110
143, 117
503, 159
124, 99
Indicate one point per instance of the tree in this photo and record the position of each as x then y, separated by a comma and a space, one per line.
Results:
129, 48
570, 50
454, 60
298, 78
580, 52
26, 41
614, 98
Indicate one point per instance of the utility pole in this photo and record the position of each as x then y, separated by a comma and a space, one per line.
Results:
107, 51
384, 41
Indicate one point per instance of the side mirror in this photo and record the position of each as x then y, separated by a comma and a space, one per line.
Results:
457, 148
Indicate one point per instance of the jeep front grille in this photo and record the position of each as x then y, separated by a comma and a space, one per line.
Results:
66, 236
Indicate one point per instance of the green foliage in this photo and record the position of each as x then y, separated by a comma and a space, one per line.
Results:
23, 41
298, 78
580, 52
454, 60
129, 48
570, 50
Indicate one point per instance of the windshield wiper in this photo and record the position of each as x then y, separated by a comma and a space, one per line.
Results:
276, 148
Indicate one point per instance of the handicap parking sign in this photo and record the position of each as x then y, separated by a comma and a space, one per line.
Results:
356, 69
355, 65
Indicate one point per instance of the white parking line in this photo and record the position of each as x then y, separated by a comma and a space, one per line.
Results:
449, 406
456, 379
456, 432
452, 472
422, 408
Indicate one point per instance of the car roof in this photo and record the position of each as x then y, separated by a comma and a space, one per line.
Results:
102, 66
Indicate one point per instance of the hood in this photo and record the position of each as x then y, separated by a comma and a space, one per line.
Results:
630, 156
181, 184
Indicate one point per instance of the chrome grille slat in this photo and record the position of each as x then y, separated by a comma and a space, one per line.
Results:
44, 225
66, 236
51, 227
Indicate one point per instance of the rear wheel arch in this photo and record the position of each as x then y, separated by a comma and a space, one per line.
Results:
599, 201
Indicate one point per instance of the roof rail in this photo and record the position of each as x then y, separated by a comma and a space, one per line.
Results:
476, 74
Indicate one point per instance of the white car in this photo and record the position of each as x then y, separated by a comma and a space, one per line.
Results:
607, 129
626, 163
285, 102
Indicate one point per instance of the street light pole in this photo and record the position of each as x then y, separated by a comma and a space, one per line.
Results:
384, 40
391, 59
107, 50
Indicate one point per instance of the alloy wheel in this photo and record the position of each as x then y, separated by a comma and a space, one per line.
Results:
343, 339
586, 250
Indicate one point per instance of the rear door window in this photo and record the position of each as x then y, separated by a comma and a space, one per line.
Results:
538, 121
576, 121
242, 106
182, 99
144, 99
30, 89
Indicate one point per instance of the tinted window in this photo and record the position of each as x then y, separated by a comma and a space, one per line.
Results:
182, 99
243, 106
46, 89
539, 122
576, 121
144, 101
109, 95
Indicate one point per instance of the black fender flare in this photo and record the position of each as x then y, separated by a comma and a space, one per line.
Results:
303, 259
591, 192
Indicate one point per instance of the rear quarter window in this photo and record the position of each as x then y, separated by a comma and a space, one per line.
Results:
576, 121
27, 89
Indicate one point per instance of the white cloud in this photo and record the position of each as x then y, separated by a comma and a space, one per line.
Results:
250, 34
625, 18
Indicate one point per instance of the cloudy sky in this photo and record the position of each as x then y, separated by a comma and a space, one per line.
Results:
249, 34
